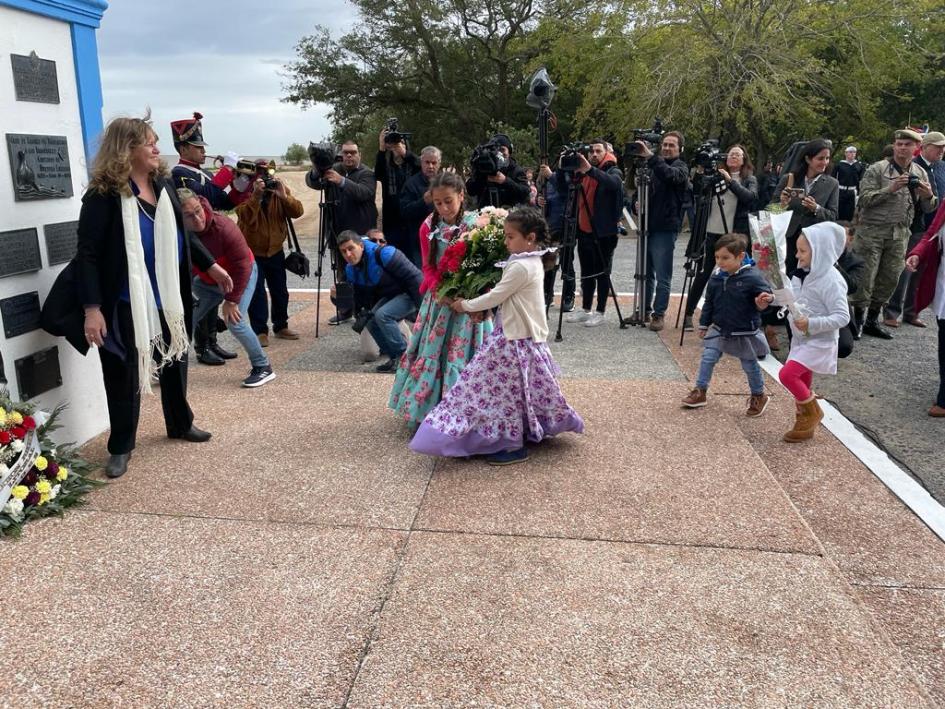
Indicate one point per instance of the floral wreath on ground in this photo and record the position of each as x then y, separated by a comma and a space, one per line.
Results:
468, 267
37, 477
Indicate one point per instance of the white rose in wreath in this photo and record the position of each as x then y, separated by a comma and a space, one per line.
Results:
54, 492
14, 508
17, 446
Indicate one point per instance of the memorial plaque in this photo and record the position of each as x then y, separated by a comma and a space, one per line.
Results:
35, 79
20, 314
19, 252
40, 165
61, 240
38, 372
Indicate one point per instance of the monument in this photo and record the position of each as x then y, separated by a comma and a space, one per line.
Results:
51, 100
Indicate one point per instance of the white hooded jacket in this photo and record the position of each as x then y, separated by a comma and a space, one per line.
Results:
822, 297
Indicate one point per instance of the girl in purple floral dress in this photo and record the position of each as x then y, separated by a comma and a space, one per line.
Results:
443, 341
509, 392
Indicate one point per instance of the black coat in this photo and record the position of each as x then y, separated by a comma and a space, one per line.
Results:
608, 197
669, 193
825, 191
356, 208
413, 208
730, 301
99, 270
393, 178
852, 268
513, 191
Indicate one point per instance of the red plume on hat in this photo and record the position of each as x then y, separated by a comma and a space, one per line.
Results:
188, 130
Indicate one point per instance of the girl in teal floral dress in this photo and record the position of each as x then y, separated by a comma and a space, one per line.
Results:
443, 341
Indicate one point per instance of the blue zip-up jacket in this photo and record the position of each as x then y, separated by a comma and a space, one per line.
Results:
373, 282
730, 301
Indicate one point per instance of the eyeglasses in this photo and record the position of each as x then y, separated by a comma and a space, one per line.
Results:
349, 152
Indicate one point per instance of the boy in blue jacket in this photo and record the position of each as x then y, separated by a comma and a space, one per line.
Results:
731, 320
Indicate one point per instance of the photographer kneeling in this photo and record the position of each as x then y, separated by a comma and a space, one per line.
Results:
386, 291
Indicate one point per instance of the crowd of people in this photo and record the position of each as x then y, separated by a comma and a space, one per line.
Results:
157, 261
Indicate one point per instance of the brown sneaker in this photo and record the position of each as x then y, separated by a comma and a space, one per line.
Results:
263, 339
287, 334
695, 399
656, 323
757, 403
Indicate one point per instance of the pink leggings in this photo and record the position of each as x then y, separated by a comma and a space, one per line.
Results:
797, 379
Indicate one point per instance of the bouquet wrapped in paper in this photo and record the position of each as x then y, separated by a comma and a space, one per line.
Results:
768, 249
468, 266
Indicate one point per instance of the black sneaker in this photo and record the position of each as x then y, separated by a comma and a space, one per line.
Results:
508, 457
687, 324
259, 376
341, 317
568, 305
388, 366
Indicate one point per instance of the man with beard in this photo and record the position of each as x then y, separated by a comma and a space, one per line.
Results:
416, 203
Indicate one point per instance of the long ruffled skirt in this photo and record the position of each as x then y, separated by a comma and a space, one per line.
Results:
507, 395
443, 342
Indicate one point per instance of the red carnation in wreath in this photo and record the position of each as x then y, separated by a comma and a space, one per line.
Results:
18, 432
29, 423
453, 257
5, 437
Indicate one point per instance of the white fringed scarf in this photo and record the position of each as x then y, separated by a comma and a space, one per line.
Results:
144, 313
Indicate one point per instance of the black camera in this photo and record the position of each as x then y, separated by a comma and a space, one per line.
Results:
651, 136
322, 156
913, 182
393, 135
570, 155
487, 159
364, 316
708, 156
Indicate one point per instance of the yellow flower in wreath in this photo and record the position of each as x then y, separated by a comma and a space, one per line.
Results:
15, 417
41, 463
3, 416
62, 474
20, 492
43, 487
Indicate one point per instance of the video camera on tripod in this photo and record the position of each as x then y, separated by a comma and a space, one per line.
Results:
322, 156
570, 155
651, 136
708, 156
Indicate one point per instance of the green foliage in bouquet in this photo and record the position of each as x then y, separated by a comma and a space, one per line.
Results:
468, 266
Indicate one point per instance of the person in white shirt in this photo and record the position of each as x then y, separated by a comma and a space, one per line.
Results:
508, 394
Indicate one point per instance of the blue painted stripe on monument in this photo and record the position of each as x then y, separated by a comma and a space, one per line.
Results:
88, 85
82, 12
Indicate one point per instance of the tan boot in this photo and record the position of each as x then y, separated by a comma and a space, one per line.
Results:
809, 415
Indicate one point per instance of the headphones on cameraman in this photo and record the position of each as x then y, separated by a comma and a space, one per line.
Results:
507, 140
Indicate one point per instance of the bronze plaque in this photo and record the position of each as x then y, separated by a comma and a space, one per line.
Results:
19, 252
61, 240
35, 79
20, 314
38, 372
40, 165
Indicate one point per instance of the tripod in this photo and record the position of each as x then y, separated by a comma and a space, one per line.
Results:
569, 240
326, 242
638, 313
696, 254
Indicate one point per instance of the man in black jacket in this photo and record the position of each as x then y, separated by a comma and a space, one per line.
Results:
355, 192
508, 187
598, 189
386, 291
416, 204
669, 188
393, 167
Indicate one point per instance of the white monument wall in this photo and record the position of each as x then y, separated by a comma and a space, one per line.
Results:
23, 33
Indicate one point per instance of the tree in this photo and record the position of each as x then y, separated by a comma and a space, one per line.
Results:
295, 154
450, 70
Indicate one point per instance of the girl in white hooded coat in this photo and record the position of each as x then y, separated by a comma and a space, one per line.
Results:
821, 297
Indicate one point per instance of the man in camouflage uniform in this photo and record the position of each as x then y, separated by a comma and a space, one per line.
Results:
890, 192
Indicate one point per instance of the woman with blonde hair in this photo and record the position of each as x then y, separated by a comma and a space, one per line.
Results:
133, 268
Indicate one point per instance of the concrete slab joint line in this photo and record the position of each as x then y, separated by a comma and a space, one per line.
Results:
910, 492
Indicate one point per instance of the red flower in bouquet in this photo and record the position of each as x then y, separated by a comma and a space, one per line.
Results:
18, 432
453, 257
5, 437
29, 423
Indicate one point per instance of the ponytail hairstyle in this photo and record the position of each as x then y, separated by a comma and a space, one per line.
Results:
529, 220
451, 181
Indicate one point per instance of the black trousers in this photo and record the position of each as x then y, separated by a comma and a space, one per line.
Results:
566, 266
596, 255
941, 364
271, 273
123, 397
702, 277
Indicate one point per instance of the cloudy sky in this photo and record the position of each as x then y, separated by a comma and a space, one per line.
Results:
221, 58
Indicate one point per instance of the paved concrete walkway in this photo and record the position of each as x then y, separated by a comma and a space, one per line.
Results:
304, 557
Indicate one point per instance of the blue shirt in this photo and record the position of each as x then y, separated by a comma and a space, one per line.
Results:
146, 224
